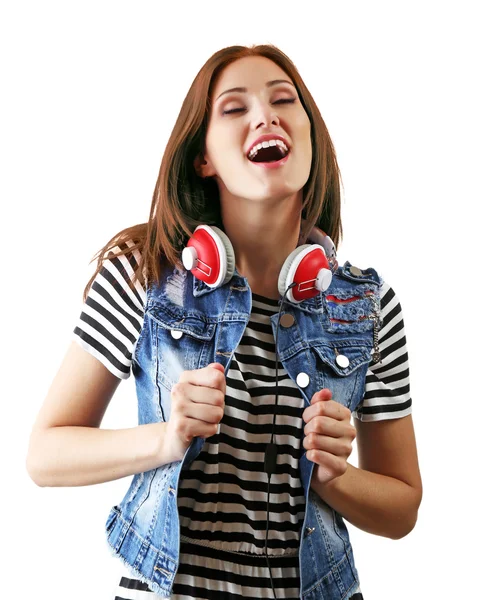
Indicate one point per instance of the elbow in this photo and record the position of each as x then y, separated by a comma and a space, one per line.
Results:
409, 522
408, 526
33, 471
33, 464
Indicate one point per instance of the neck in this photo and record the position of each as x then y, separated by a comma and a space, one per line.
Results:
262, 240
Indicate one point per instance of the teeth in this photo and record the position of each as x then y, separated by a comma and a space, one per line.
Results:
252, 153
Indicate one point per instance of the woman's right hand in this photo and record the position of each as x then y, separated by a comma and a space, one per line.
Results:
196, 410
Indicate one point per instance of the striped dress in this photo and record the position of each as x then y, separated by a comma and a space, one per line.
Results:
222, 495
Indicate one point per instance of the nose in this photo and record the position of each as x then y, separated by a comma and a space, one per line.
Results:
264, 115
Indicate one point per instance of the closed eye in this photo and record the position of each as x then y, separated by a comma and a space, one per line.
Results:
281, 101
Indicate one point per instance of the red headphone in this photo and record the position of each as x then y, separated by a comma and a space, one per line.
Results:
209, 256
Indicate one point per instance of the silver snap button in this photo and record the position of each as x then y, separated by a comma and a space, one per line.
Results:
302, 380
176, 334
356, 271
342, 361
287, 320
308, 531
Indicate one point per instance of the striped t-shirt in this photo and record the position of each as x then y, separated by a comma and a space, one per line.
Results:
222, 495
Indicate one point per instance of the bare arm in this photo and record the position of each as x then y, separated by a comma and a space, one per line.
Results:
66, 446
383, 495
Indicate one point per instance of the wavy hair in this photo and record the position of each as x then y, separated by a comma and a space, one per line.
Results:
182, 199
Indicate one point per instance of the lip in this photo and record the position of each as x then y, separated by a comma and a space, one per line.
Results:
266, 138
272, 165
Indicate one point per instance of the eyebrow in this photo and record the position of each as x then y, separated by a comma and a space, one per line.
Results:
244, 90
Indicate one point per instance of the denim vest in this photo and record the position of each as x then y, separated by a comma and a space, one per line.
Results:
188, 325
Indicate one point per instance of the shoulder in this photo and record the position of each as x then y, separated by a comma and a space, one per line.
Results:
112, 316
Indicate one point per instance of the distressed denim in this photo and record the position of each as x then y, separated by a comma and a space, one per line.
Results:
188, 325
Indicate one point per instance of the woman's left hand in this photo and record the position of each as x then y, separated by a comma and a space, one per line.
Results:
328, 435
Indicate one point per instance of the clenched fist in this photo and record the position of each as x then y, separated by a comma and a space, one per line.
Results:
196, 410
328, 435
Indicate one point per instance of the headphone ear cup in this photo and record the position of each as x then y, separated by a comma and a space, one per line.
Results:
285, 270
209, 256
230, 260
307, 266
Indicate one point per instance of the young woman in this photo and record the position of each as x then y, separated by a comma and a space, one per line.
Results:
246, 375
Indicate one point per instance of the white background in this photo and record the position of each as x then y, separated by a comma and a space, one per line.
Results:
90, 93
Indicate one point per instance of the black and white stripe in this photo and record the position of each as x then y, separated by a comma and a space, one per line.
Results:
112, 316
387, 394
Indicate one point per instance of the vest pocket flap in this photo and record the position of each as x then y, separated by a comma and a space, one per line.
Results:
343, 359
192, 325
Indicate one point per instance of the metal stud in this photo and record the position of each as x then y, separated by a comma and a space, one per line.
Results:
176, 334
287, 320
356, 271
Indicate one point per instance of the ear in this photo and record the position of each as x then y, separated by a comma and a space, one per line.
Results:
203, 168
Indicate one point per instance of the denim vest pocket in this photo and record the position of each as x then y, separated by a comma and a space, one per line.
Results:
183, 343
343, 381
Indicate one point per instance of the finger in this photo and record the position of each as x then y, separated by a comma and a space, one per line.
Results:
203, 412
331, 408
324, 426
198, 394
220, 368
191, 428
333, 464
207, 377
336, 446
324, 394
204, 395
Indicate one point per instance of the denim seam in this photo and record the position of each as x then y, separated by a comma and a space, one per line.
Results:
345, 543
142, 335
144, 499
159, 553
334, 568
355, 386
223, 312
156, 387
311, 551
137, 486
355, 583
160, 486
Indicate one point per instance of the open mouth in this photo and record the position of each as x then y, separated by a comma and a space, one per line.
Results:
271, 164
268, 151
270, 154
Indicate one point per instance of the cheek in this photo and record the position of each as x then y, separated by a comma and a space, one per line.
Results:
307, 138
303, 136
224, 149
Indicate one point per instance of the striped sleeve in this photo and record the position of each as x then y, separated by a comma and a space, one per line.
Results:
112, 315
387, 394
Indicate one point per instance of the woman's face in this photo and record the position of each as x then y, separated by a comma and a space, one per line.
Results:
258, 109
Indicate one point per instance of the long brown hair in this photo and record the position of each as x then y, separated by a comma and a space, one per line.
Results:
182, 199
